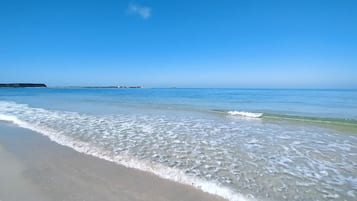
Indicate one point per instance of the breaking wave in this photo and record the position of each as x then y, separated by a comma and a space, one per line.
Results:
245, 114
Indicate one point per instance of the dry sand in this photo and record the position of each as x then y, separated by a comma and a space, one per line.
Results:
33, 168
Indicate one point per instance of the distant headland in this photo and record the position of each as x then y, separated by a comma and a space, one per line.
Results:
21, 85
24, 85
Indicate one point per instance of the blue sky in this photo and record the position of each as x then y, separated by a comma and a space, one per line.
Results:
183, 43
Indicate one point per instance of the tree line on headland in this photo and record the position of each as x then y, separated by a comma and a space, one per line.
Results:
21, 85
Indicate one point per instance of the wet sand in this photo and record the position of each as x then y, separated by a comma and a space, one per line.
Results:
33, 168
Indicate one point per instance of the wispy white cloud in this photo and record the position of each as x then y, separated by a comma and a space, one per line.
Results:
142, 11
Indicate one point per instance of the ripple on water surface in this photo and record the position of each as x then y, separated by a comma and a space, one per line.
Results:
267, 161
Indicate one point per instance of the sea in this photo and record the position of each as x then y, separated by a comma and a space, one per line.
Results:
240, 144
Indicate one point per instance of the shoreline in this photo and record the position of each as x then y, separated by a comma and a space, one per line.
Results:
41, 169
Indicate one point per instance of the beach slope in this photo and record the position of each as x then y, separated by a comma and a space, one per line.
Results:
33, 168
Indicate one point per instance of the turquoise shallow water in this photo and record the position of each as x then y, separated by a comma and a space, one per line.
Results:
317, 103
237, 143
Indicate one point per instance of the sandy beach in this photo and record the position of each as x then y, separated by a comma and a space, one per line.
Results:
33, 168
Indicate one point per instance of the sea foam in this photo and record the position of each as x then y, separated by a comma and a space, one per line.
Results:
126, 160
245, 114
235, 158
